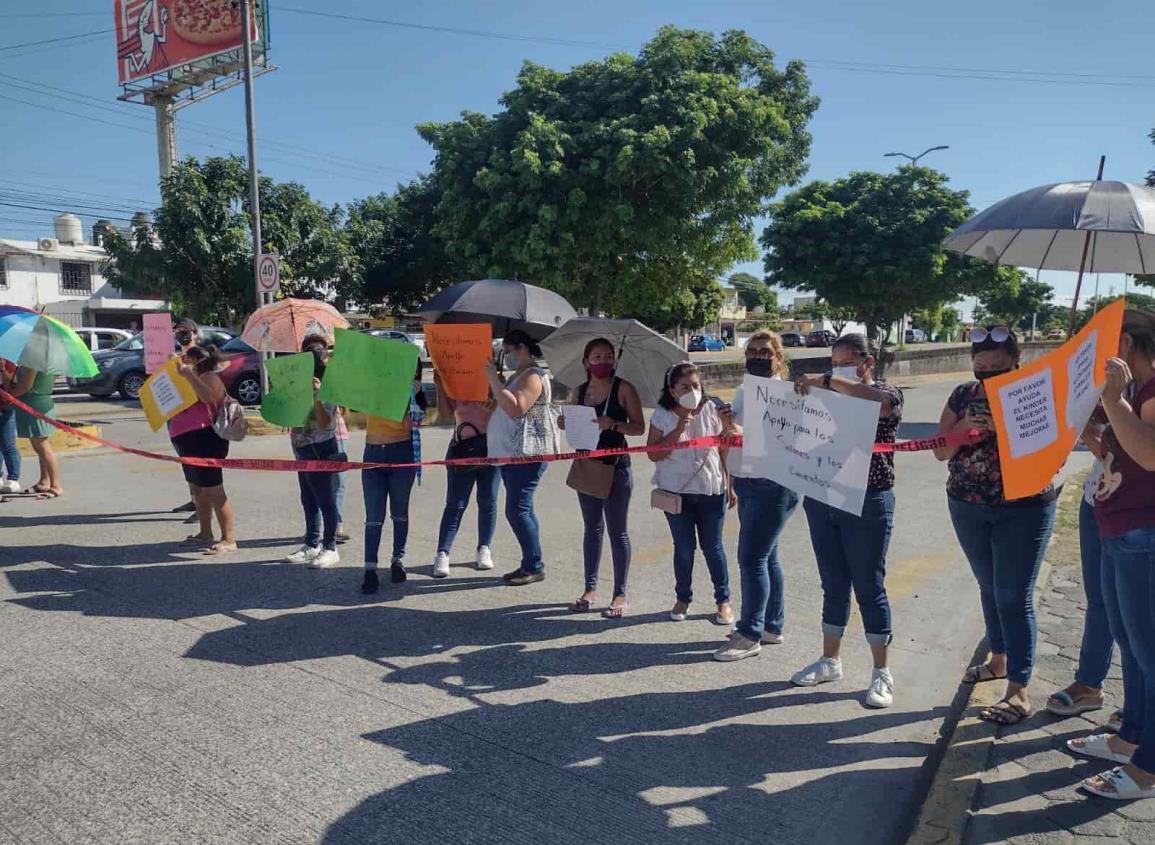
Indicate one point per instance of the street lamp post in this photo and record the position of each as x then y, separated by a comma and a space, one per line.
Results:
914, 159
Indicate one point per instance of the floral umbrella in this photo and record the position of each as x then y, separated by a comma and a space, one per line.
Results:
43, 343
282, 326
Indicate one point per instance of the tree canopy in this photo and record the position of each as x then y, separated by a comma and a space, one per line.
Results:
1015, 298
626, 183
872, 243
754, 293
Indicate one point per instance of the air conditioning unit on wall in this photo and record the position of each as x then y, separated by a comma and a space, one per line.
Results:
48, 243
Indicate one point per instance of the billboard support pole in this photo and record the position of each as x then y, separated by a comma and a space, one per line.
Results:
254, 194
165, 134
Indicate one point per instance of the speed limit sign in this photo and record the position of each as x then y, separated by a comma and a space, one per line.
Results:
269, 273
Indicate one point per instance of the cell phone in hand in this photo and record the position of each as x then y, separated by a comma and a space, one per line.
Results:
979, 407
720, 405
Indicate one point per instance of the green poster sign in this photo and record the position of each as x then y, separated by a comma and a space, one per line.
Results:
290, 396
370, 374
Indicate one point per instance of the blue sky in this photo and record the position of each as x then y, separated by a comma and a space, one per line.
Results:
347, 95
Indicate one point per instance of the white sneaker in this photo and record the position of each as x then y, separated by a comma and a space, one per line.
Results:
736, 648
771, 638
484, 558
881, 692
821, 671
10, 486
326, 559
305, 554
441, 565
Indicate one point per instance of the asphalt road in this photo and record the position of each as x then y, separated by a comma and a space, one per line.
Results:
149, 694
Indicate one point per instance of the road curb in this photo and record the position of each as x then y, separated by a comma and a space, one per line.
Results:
62, 441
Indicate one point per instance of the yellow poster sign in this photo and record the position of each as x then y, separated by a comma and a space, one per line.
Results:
165, 394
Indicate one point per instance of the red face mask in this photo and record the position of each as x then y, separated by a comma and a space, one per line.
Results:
600, 370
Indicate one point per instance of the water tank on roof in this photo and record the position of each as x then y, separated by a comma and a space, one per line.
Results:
100, 231
140, 220
69, 230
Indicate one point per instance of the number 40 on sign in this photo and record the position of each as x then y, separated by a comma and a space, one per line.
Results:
269, 273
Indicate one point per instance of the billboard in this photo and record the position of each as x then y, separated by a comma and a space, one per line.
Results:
156, 36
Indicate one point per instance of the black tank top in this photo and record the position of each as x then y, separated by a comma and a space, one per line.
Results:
612, 407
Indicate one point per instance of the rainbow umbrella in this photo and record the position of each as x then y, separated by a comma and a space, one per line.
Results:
43, 343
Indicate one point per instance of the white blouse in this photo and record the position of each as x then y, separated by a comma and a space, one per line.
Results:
697, 471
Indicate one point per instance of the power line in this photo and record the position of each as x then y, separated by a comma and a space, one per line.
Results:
991, 77
1052, 73
7, 57
56, 15
56, 40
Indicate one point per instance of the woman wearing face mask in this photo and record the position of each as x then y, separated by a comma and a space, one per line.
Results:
763, 508
1125, 513
619, 414
697, 479
522, 425
316, 440
851, 550
1004, 541
389, 488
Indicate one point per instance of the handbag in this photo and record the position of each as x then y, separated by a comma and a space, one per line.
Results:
671, 503
591, 477
229, 423
474, 446
537, 430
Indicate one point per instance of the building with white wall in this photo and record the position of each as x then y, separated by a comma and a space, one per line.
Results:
61, 275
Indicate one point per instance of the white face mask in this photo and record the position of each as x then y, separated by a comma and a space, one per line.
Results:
690, 401
848, 372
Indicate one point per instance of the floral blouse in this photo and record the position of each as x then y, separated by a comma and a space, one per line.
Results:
882, 463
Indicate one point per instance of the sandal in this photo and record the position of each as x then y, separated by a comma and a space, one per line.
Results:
1123, 786
618, 612
1062, 703
1115, 723
580, 606
220, 548
1005, 713
980, 674
46, 494
195, 540
1096, 746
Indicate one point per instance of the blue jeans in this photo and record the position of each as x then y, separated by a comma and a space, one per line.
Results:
9, 454
763, 508
851, 554
1129, 593
1095, 654
319, 494
608, 515
459, 486
342, 486
1005, 545
701, 522
521, 482
387, 488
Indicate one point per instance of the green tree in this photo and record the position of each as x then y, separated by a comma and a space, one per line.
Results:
397, 260
1015, 297
626, 183
1094, 304
199, 252
754, 293
872, 243
692, 308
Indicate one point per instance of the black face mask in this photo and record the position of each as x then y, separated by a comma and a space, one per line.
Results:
184, 338
762, 367
983, 375
318, 361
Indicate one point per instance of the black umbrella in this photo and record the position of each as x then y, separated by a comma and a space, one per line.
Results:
505, 305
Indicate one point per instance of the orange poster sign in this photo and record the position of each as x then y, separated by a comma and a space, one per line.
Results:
1039, 410
459, 352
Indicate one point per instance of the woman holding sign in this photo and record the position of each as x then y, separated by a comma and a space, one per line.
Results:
192, 435
692, 487
618, 409
1004, 541
1125, 513
851, 550
522, 426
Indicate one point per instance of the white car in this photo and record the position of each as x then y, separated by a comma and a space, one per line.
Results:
417, 340
97, 339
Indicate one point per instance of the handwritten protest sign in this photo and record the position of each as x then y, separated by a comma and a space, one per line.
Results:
818, 445
459, 353
158, 344
1039, 410
166, 393
290, 396
370, 374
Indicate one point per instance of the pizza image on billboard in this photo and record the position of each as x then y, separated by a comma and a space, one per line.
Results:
155, 36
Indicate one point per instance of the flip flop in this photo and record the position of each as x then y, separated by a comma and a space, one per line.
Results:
45, 494
220, 548
1096, 746
1067, 705
580, 606
1123, 786
196, 540
980, 674
618, 612
1005, 713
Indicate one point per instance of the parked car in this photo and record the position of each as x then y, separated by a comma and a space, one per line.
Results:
122, 367
793, 339
417, 340
1056, 334
821, 337
705, 343
915, 336
242, 371
97, 339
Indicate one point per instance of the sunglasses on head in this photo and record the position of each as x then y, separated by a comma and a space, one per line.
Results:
999, 334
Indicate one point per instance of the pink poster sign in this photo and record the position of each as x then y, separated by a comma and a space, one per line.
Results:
158, 343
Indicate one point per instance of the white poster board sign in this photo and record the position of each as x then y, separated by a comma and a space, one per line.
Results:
581, 427
818, 445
